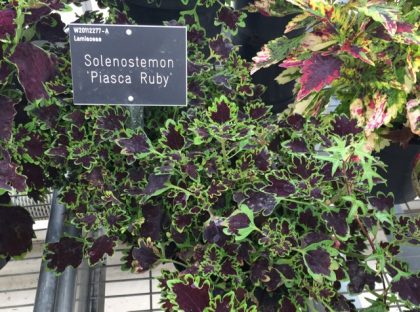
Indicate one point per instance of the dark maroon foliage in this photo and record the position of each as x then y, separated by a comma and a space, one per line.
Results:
222, 114
173, 138
343, 126
318, 261
359, 277
261, 202
221, 46
408, 288
8, 112
7, 26
229, 17
35, 67
382, 202
280, 187
9, 178
136, 144
16, 231
144, 257
101, 246
191, 297
156, 183
237, 222
153, 221
67, 252
337, 221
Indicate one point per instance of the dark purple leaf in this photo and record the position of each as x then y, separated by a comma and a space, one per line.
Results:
58, 151
182, 221
138, 143
258, 112
280, 187
16, 231
244, 252
222, 80
9, 178
343, 126
272, 279
298, 146
229, 17
48, 114
156, 183
223, 304
318, 261
262, 160
195, 35
408, 288
95, 177
296, 121
8, 112
112, 120
258, 269
101, 246
51, 28
33, 15
35, 68
227, 268
216, 188
88, 221
35, 146
314, 237
359, 277
7, 23
191, 170
222, 113
153, 221
261, 202
287, 270
302, 168
35, 176
382, 202
337, 221
286, 305
237, 222
308, 219
67, 252
317, 72
221, 46
77, 118
144, 257
173, 138
213, 233
191, 297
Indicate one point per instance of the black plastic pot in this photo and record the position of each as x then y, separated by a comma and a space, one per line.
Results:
399, 163
258, 31
145, 13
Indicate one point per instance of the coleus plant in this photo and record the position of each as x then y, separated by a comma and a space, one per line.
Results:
266, 214
259, 212
363, 54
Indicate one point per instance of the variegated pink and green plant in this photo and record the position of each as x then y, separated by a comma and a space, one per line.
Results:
362, 54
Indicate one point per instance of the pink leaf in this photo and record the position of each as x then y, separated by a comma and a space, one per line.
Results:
357, 52
318, 72
377, 112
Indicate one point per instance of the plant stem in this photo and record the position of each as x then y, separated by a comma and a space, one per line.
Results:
180, 189
372, 245
172, 261
224, 153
